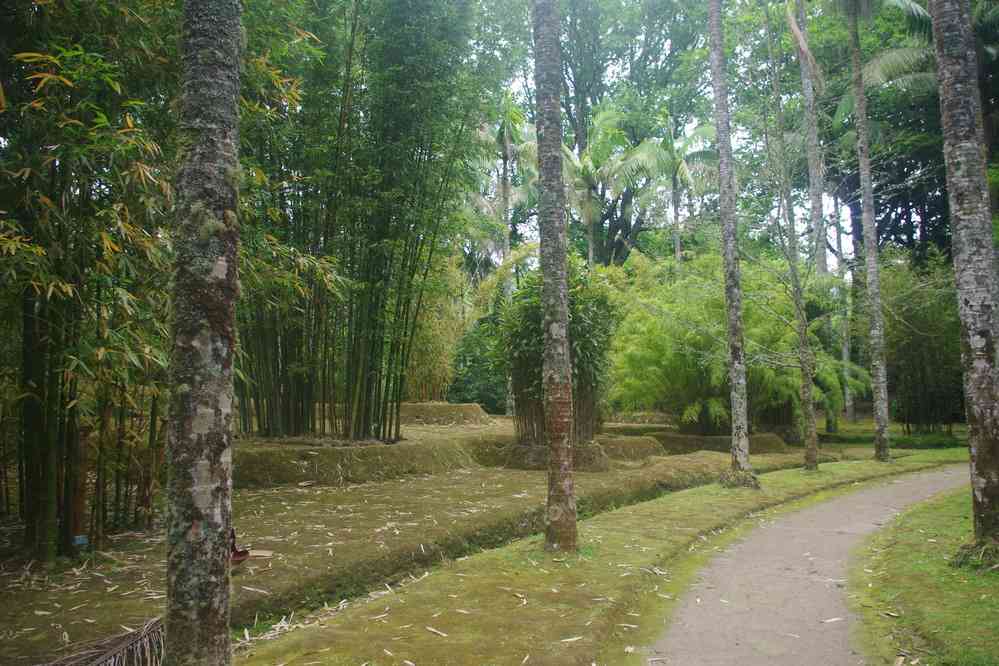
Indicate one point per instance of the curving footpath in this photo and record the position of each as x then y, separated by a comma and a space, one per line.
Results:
778, 596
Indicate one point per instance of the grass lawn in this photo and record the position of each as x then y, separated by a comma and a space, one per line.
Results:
914, 602
519, 603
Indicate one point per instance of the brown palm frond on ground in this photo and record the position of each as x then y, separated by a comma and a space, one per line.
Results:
135, 648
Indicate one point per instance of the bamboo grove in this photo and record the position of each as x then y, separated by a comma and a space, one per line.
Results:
354, 156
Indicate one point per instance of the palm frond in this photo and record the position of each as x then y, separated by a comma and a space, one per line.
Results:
890, 65
135, 648
916, 17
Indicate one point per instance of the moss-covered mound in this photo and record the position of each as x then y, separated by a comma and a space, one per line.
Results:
631, 429
269, 466
648, 418
674, 443
442, 413
588, 457
630, 448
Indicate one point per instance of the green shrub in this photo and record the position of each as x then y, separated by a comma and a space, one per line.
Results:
592, 319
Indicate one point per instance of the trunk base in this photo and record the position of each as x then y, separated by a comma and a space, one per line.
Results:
739, 479
978, 555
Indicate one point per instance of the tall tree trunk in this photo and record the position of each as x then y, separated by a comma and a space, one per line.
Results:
812, 148
974, 254
199, 487
677, 242
557, 369
879, 376
730, 249
505, 195
788, 236
851, 413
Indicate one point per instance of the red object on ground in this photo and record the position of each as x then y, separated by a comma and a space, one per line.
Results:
236, 555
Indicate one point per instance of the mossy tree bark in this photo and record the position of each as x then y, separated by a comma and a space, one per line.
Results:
557, 367
730, 248
199, 485
879, 375
974, 254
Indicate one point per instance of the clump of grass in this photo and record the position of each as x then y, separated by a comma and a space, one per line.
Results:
739, 479
908, 590
976, 555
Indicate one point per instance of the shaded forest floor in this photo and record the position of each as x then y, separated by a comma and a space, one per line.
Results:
333, 540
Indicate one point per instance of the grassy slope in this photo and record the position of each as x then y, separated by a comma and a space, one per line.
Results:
330, 544
500, 606
946, 616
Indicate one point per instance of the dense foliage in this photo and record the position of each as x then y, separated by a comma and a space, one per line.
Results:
592, 319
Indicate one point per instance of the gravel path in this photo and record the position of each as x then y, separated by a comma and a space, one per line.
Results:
777, 597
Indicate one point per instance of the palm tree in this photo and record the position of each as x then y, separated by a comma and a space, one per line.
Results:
854, 10
199, 453
560, 532
974, 260
611, 166
741, 468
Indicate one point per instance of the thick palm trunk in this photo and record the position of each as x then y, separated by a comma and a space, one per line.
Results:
199, 488
813, 151
879, 377
730, 250
557, 370
974, 255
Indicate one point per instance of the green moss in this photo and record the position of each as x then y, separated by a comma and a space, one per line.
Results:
629, 448
503, 605
911, 597
631, 429
673, 442
266, 466
442, 413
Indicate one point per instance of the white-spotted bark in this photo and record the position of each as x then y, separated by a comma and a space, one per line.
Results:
199, 487
560, 533
730, 248
974, 254
879, 375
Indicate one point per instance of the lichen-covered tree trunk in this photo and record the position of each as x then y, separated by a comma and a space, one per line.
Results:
557, 368
974, 255
677, 242
813, 149
199, 486
845, 329
730, 249
879, 376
